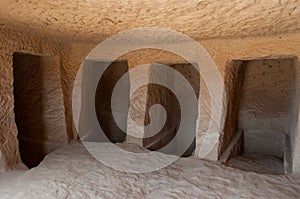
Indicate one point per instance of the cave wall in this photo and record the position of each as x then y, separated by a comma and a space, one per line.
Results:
11, 41
234, 72
94, 114
221, 50
103, 101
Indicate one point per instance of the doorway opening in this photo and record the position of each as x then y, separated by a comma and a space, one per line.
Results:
158, 94
38, 106
103, 101
258, 132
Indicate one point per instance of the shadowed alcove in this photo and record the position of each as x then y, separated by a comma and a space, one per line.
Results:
103, 101
158, 94
97, 122
38, 106
261, 106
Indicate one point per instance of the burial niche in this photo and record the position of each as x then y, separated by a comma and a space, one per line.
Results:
103, 101
158, 94
38, 106
259, 132
100, 120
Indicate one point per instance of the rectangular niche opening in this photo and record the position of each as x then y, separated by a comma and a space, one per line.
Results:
165, 96
261, 102
38, 106
101, 119
103, 96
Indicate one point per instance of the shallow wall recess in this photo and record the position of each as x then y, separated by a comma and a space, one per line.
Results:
158, 94
103, 102
39, 109
262, 101
100, 118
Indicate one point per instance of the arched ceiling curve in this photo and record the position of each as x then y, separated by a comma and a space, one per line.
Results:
94, 20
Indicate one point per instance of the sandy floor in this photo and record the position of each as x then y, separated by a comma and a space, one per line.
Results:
257, 163
71, 172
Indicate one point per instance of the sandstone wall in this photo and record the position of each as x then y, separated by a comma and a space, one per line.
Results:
176, 118
95, 20
234, 71
221, 51
12, 41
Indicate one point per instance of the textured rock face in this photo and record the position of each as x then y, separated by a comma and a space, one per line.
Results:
234, 72
95, 20
15, 41
222, 51
72, 56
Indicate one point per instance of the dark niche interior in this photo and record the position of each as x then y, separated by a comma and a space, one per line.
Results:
158, 94
37, 95
103, 96
262, 95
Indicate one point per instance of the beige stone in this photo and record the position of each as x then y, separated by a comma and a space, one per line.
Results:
233, 30
95, 20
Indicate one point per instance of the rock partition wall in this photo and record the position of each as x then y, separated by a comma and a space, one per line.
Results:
234, 72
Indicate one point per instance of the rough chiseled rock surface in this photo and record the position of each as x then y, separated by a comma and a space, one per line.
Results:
94, 20
225, 28
11, 41
72, 56
71, 172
